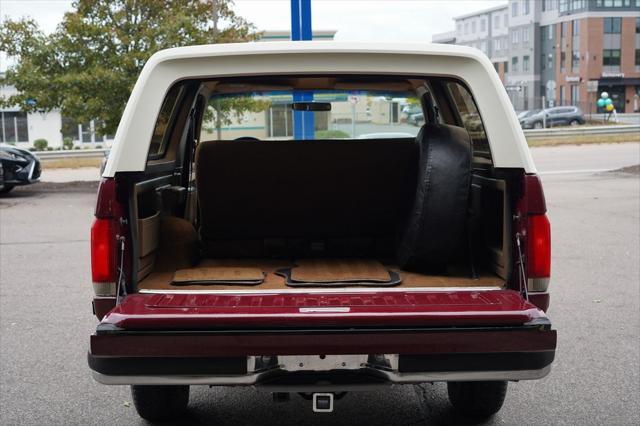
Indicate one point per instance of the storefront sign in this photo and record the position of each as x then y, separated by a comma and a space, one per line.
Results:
572, 79
612, 74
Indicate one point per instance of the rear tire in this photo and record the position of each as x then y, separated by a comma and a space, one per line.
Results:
537, 125
160, 402
5, 188
574, 122
477, 399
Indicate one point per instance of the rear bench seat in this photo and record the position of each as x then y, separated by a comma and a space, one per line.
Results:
328, 197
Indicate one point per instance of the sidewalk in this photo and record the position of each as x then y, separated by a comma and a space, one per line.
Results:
84, 174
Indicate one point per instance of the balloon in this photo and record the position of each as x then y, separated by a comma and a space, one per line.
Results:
604, 95
608, 101
600, 102
609, 107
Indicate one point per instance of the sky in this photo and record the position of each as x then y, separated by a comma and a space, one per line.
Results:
354, 20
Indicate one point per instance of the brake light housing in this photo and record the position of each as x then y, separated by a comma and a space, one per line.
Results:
105, 233
535, 231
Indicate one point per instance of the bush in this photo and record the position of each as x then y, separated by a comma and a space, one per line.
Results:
331, 134
67, 143
49, 148
76, 147
40, 144
98, 146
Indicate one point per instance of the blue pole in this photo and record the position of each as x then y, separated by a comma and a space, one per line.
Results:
303, 122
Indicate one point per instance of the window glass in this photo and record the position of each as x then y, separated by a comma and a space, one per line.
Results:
167, 115
612, 25
14, 127
525, 63
470, 117
349, 114
514, 9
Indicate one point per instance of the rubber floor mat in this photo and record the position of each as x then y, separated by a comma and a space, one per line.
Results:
339, 270
219, 275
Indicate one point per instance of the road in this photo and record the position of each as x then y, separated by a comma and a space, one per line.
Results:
45, 317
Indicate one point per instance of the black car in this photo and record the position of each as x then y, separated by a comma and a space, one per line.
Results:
17, 167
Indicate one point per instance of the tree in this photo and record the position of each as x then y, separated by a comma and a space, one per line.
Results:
88, 66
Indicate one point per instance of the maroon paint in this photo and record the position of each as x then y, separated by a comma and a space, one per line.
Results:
102, 305
541, 300
428, 342
450, 308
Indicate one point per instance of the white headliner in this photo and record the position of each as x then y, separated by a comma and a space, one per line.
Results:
131, 144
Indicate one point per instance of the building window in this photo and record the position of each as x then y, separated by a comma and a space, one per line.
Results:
615, 3
496, 22
575, 27
562, 5
466, 28
483, 25
562, 95
14, 127
514, 64
638, 23
575, 94
637, 59
505, 21
514, 37
563, 61
525, 63
543, 62
525, 36
514, 9
575, 60
525, 7
612, 25
563, 29
611, 59
506, 66
496, 45
550, 61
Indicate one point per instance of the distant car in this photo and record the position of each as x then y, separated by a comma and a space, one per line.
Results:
19, 167
416, 119
527, 113
565, 115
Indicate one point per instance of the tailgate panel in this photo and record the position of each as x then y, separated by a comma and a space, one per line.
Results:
330, 309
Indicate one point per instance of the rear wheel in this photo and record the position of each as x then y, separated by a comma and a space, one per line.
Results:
574, 122
160, 402
477, 399
5, 188
537, 125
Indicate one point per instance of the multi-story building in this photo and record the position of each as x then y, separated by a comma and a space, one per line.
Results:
560, 52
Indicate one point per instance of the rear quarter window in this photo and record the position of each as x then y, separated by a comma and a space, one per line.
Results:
164, 122
467, 111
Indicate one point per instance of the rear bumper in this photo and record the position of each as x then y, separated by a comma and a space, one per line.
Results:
410, 356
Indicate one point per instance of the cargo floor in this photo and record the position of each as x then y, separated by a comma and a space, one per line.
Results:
162, 281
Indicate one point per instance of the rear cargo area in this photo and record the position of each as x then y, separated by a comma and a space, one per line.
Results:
282, 216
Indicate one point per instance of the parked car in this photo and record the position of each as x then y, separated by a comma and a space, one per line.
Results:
325, 266
566, 115
416, 119
19, 167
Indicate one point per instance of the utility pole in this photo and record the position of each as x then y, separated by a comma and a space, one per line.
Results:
303, 121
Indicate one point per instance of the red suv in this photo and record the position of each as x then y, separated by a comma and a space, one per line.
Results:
245, 235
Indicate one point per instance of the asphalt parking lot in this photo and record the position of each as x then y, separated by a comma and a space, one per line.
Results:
45, 316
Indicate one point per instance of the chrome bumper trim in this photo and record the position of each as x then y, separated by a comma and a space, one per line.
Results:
393, 377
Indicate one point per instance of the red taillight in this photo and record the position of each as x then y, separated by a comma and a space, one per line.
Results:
538, 246
103, 251
104, 233
537, 234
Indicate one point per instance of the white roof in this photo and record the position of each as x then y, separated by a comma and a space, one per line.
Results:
132, 139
